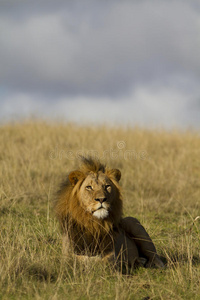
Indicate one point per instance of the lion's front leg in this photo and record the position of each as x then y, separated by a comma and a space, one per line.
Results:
126, 252
142, 240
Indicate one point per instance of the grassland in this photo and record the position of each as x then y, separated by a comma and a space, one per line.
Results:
161, 184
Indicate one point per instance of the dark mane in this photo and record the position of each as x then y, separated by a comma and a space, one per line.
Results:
89, 164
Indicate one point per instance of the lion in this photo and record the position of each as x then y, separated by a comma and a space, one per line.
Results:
89, 209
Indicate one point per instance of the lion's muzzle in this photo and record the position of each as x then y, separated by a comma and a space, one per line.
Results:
101, 200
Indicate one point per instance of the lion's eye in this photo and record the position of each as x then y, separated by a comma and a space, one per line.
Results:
89, 187
108, 187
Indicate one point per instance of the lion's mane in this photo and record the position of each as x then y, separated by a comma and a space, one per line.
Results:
83, 229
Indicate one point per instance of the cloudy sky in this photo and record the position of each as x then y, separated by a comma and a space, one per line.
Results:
130, 62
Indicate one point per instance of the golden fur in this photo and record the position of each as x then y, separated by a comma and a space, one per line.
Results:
89, 208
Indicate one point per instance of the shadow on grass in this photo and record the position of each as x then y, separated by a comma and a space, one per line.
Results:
175, 258
41, 273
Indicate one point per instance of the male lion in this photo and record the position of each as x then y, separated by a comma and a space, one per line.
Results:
89, 208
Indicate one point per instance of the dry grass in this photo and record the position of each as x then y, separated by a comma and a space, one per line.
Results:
161, 183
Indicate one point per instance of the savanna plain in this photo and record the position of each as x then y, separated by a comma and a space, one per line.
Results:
161, 187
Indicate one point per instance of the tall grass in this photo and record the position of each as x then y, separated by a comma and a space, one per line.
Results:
161, 184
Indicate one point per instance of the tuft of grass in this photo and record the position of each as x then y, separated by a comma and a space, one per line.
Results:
161, 184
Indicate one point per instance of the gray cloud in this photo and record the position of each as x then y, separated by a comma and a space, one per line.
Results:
155, 106
105, 53
113, 50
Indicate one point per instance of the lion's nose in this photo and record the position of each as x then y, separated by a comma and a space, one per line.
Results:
101, 200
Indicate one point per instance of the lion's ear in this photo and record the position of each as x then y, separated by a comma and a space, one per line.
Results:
75, 176
115, 173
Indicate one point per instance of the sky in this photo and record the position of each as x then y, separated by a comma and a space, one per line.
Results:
134, 62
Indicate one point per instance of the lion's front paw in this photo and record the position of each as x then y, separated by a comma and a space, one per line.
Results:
156, 262
141, 262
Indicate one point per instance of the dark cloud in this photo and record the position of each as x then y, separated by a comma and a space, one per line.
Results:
62, 51
110, 50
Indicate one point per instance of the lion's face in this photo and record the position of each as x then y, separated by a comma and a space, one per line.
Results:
97, 193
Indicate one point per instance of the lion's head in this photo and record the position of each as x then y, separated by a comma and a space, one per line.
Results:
97, 191
90, 197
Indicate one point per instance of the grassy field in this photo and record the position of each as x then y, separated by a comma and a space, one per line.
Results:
161, 187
